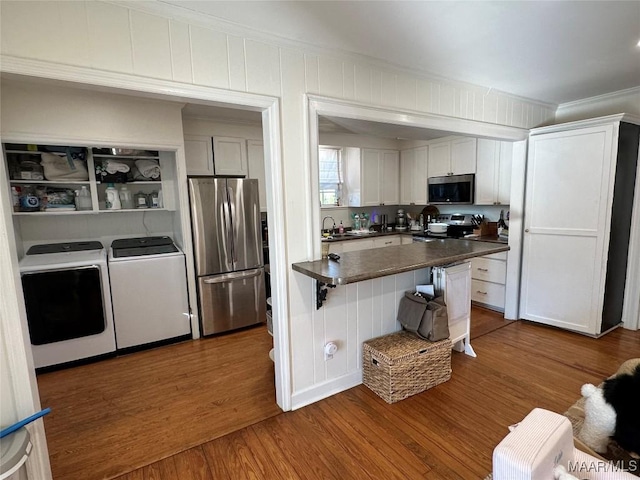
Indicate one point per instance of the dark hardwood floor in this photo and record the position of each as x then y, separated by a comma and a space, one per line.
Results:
117, 415
446, 432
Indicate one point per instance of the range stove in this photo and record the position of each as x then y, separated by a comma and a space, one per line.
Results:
459, 225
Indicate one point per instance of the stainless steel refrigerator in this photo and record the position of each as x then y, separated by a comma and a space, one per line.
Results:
227, 239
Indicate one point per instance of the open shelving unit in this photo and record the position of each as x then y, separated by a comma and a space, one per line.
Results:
15, 154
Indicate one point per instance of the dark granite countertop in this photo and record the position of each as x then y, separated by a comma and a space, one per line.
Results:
360, 236
379, 262
491, 239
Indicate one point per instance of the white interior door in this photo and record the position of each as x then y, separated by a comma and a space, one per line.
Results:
566, 225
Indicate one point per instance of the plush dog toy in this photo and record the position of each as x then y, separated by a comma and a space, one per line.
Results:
599, 419
560, 473
622, 392
614, 410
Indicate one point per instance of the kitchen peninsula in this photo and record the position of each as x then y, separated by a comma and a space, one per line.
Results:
453, 279
368, 264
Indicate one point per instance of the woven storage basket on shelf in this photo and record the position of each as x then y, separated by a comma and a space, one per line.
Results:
402, 364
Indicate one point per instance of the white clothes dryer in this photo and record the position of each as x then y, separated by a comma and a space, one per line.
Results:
68, 302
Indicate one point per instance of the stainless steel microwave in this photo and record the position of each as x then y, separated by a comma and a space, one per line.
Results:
451, 190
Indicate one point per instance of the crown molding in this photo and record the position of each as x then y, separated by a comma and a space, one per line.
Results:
607, 97
591, 122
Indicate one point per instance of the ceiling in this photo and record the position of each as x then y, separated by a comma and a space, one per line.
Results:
551, 51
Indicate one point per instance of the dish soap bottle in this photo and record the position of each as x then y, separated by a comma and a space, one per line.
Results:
112, 199
83, 199
341, 228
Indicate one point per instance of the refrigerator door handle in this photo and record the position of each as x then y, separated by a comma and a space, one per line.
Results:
232, 214
226, 221
228, 277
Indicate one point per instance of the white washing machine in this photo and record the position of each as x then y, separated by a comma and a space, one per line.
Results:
68, 302
149, 291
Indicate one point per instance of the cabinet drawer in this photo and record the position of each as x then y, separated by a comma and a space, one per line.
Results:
354, 245
387, 241
487, 293
489, 270
497, 256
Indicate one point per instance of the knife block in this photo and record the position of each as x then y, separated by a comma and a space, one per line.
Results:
486, 229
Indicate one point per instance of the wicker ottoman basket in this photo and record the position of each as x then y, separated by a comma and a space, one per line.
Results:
402, 364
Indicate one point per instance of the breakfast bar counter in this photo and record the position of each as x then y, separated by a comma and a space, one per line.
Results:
378, 262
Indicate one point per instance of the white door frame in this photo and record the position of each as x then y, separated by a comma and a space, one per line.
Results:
13, 310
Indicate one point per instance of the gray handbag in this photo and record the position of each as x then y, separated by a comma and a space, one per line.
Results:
427, 318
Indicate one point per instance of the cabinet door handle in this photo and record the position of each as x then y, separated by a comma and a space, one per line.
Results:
481, 293
526, 230
483, 269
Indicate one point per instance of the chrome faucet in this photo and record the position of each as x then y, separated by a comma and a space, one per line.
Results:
334, 223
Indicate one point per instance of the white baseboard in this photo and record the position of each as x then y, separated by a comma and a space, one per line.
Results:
325, 390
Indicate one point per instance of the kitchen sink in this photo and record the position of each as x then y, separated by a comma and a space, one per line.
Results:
359, 232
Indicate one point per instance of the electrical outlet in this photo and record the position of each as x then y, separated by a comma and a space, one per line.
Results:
329, 349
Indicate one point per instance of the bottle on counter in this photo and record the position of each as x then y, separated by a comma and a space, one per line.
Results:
15, 198
112, 199
502, 226
29, 200
153, 200
83, 199
341, 228
141, 200
126, 197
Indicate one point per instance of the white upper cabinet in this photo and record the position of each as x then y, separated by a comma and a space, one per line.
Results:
390, 181
407, 169
463, 156
215, 155
504, 173
198, 154
229, 156
370, 178
413, 176
452, 157
440, 159
255, 163
493, 174
380, 177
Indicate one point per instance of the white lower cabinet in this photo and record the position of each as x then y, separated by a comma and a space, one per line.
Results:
367, 243
387, 241
488, 276
454, 283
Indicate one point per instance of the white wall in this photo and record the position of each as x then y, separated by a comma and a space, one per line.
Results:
149, 39
359, 141
220, 128
624, 101
42, 112
30, 108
